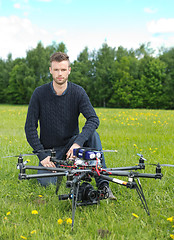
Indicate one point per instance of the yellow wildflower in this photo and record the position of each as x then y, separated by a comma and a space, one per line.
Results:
170, 219
40, 196
34, 212
135, 215
59, 221
8, 213
69, 221
23, 237
172, 236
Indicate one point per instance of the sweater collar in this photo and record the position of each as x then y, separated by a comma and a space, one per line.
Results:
55, 91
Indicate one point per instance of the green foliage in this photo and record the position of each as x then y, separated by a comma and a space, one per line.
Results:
153, 75
168, 58
81, 70
111, 77
149, 132
123, 83
5, 69
105, 67
38, 61
21, 84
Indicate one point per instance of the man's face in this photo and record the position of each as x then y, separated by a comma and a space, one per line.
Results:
60, 71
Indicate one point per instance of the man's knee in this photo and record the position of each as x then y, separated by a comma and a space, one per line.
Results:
47, 181
94, 141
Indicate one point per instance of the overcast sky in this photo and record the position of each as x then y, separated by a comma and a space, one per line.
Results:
80, 23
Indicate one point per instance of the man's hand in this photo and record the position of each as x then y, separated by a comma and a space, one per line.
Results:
47, 163
69, 154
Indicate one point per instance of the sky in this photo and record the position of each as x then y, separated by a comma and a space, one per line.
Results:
84, 23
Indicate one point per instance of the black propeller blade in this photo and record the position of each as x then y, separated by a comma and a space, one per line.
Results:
30, 154
141, 156
21, 155
160, 165
109, 151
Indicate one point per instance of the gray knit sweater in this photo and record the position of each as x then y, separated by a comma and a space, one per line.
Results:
58, 117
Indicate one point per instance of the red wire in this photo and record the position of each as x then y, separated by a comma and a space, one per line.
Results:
103, 170
97, 167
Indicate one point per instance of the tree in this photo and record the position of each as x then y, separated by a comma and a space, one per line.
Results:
54, 47
168, 58
38, 61
104, 64
5, 69
82, 72
144, 50
111, 78
21, 84
121, 52
123, 82
152, 77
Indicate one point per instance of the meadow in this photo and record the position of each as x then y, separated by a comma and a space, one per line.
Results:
29, 211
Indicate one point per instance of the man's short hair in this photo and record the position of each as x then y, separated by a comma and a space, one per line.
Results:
59, 57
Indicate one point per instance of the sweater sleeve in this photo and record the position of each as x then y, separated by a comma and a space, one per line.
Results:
92, 121
31, 126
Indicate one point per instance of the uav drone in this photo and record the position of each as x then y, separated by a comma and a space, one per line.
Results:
80, 170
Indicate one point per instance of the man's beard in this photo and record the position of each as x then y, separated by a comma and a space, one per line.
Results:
60, 82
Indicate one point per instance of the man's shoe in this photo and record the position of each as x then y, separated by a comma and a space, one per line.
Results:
111, 195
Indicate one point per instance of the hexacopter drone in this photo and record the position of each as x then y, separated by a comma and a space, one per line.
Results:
80, 170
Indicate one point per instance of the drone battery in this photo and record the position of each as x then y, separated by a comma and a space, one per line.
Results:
87, 154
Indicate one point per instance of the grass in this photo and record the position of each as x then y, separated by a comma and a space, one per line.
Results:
149, 132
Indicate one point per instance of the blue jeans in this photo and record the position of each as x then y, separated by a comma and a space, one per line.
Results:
92, 142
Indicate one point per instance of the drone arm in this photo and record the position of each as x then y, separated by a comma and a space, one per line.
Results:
126, 168
25, 176
148, 175
45, 168
133, 174
115, 173
115, 180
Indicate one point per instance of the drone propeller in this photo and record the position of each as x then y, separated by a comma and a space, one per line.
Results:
167, 165
21, 155
160, 165
141, 156
109, 151
30, 154
154, 164
44, 150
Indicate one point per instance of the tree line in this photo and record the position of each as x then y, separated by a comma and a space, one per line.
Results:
117, 78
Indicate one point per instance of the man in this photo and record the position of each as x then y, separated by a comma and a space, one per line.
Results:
57, 106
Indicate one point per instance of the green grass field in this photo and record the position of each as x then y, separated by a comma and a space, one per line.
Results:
29, 211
